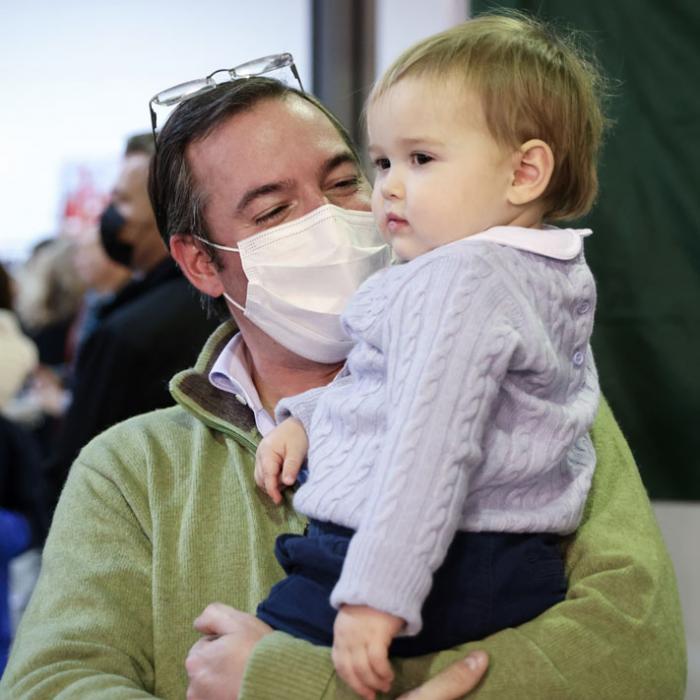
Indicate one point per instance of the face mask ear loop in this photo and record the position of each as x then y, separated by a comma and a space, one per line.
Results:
235, 303
218, 246
231, 250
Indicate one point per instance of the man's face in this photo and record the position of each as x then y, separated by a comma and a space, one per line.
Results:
268, 166
94, 267
130, 197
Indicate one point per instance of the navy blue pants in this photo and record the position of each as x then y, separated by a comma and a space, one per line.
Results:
488, 581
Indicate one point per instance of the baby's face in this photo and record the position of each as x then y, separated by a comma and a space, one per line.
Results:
440, 175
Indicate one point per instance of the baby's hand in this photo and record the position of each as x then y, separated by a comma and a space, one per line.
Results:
361, 639
280, 456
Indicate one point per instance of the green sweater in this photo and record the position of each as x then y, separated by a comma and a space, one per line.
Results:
160, 516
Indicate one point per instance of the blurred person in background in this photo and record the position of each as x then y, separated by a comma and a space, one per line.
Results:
22, 515
152, 328
49, 295
103, 278
19, 353
48, 299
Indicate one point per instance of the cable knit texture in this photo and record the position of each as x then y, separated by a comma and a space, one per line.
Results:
466, 404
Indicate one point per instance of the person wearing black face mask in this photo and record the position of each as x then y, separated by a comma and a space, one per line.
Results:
111, 224
152, 328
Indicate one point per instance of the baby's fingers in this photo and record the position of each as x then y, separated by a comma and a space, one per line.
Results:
345, 666
378, 657
258, 473
365, 672
290, 468
273, 490
267, 469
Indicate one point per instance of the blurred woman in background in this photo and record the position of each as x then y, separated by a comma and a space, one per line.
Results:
22, 511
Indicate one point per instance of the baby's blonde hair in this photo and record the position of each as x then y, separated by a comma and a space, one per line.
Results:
533, 84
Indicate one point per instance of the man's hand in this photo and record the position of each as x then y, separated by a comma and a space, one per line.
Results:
452, 683
216, 663
280, 456
361, 639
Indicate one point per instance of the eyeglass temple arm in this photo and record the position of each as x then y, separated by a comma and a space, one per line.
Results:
296, 75
153, 119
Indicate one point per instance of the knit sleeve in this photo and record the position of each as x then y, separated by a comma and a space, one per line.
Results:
302, 406
448, 343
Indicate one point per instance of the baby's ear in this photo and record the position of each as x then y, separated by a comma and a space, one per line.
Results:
533, 164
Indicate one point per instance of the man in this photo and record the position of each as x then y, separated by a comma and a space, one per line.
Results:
153, 327
160, 515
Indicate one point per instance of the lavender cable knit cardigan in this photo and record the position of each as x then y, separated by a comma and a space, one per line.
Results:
465, 404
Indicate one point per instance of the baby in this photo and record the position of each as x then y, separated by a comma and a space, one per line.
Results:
451, 454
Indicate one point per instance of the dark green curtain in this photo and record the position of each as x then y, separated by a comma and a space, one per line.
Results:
645, 251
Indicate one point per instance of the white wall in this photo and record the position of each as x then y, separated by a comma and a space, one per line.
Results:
76, 77
680, 525
400, 23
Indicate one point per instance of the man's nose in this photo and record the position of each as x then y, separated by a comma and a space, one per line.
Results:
313, 198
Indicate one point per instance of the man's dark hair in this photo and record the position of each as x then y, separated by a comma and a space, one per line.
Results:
177, 200
140, 143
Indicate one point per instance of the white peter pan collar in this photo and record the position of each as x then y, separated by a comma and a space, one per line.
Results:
550, 241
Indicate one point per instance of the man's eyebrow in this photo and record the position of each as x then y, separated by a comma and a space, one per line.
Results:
273, 187
339, 159
260, 191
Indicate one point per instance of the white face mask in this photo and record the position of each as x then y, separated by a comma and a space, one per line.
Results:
301, 275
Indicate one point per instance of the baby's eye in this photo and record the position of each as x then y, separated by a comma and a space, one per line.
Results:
420, 158
382, 163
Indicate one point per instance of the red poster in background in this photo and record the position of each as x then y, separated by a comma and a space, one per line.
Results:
86, 188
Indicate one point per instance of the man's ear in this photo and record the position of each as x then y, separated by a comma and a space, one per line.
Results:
533, 165
196, 264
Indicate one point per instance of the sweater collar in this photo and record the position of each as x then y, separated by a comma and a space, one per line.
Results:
548, 241
231, 372
218, 409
